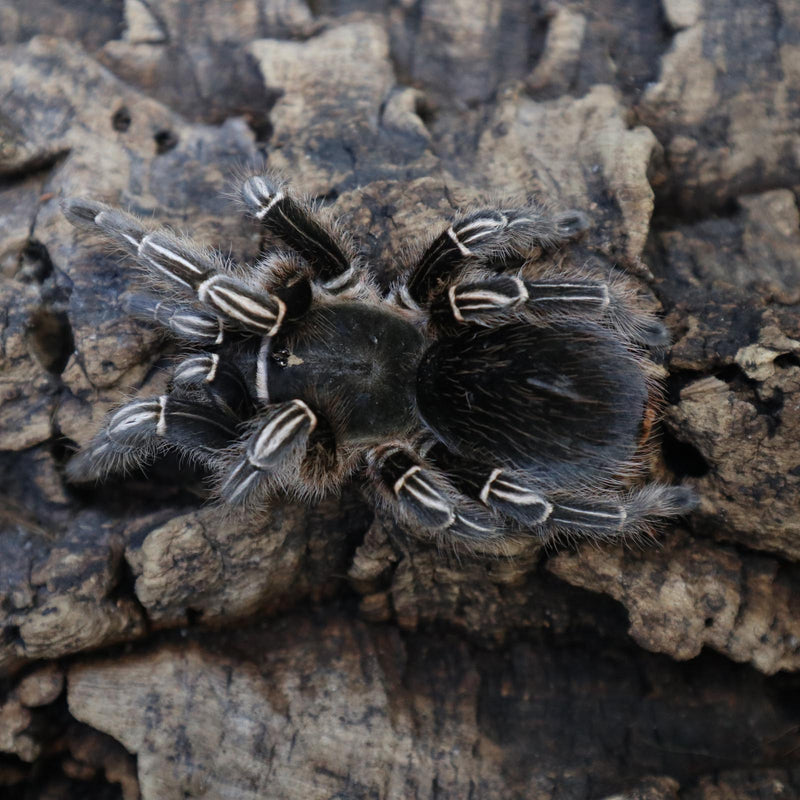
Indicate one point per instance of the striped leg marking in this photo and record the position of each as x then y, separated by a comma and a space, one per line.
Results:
285, 427
601, 518
167, 257
513, 496
486, 299
474, 230
474, 527
195, 327
261, 196
635, 512
291, 221
245, 307
137, 431
417, 492
423, 497
279, 444
448, 252
550, 293
220, 381
128, 439
182, 320
340, 283
136, 420
197, 370
183, 423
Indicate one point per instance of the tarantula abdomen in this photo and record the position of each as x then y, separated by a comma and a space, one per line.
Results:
564, 399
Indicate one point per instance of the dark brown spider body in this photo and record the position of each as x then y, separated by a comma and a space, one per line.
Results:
486, 395
356, 361
535, 398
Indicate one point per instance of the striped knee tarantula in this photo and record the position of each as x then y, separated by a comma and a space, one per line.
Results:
484, 397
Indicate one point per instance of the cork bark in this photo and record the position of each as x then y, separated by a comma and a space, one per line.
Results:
151, 647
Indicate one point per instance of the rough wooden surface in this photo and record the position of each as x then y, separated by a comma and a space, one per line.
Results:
153, 648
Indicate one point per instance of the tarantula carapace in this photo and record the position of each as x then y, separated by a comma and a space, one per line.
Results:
484, 396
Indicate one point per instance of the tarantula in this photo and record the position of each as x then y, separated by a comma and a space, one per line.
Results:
484, 396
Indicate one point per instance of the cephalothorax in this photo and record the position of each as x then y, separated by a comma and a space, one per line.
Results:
484, 396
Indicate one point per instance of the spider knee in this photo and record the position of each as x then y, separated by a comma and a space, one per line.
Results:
272, 454
515, 497
416, 491
424, 500
216, 380
274, 441
184, 321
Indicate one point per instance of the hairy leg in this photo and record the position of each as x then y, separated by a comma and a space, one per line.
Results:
282, 215
138, 431
422, 498
271, 457
547, 510
488, 234
177, 265
496, 299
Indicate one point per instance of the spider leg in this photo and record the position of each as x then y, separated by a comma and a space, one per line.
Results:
217, 381
294, 222
482, 235
502, 298
271, 457
629, 514
138, 431
533, 505
181, 319
180, 265
423, 498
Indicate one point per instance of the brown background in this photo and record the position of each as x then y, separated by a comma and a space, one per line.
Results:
150, 648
